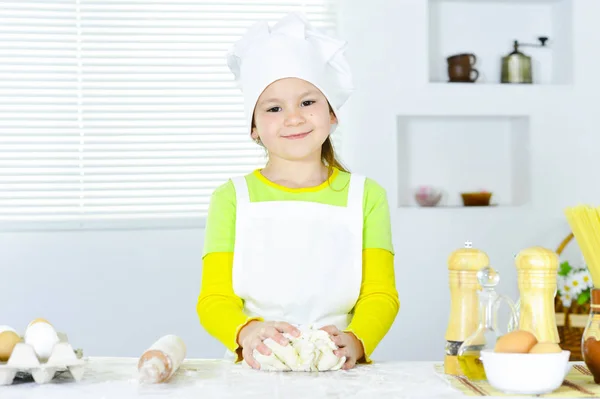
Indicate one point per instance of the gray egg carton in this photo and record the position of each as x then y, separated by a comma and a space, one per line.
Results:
24, 362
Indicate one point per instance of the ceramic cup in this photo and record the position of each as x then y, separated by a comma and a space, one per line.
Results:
460, 68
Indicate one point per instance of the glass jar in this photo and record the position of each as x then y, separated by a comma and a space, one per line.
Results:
488, 331
590, 341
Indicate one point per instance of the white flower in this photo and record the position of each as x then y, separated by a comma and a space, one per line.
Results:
586, 278
566, 300
563, 286
577, 283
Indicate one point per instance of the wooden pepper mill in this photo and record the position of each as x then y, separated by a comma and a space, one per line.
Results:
463, 265
536, 275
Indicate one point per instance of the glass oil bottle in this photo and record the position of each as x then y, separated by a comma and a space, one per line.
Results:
484, 338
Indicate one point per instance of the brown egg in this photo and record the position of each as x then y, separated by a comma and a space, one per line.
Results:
546, 347
8, 341
519, 341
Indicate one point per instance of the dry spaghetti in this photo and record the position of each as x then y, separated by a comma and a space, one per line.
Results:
584, 221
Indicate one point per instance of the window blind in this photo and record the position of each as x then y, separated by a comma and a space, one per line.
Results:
122, 113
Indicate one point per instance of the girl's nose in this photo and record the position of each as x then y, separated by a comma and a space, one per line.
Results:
294, 117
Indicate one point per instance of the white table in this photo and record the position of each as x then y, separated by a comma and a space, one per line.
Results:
108, 378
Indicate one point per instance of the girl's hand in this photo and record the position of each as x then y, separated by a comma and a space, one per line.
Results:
348, 345
254, 333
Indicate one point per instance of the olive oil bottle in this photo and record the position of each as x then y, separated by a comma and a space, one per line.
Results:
487, 333
471, 365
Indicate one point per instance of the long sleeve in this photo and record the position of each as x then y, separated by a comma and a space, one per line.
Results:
378, 303
221, 311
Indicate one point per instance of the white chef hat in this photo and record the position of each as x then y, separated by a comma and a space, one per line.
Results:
290, 48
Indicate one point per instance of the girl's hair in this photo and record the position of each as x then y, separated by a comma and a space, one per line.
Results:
328, 156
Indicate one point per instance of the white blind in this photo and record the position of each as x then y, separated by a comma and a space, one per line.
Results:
123, 112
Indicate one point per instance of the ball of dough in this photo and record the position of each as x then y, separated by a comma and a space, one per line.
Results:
519, 341
8, 340
546, 347
42, 337
311, 351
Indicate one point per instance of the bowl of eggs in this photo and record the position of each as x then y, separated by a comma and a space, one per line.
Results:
521, 365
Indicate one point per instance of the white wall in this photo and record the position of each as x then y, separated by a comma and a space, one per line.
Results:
113, 293
389, 52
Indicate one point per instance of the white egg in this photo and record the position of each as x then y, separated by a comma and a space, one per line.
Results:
42, 337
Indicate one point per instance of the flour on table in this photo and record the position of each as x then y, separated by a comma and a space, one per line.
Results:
311, 351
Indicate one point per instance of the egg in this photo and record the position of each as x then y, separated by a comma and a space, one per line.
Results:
42, 336
8, 340
546, 347
7, 328
519, 341
38, 320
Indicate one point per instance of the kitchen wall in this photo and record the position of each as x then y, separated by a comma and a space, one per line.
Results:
115, 292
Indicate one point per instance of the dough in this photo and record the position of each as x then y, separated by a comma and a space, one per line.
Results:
311, 351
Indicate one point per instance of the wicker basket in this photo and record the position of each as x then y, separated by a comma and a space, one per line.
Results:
570, 321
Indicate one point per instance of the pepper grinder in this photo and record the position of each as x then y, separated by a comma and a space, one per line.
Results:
536, 276
463, 265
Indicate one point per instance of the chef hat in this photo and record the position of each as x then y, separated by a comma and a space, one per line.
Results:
290, 48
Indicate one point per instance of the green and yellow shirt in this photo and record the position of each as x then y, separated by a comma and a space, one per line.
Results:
221, 312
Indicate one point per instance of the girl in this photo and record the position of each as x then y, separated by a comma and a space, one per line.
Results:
301, 241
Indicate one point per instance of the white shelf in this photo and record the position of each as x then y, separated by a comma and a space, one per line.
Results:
464, 153
487, 28
500, 88
480, 99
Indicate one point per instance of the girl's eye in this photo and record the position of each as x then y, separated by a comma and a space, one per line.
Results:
274, 109
307, 103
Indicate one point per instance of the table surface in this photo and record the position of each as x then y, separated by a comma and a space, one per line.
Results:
107, 378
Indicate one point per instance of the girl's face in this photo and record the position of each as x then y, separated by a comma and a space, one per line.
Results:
292, 119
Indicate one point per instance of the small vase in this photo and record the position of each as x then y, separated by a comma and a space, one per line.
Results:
590, 341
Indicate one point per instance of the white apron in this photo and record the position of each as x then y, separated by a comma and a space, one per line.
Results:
298, 261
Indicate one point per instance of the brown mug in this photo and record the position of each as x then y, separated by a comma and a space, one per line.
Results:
460, 68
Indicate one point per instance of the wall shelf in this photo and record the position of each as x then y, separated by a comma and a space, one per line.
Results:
481, 99
487, 28
460, 153
502, 96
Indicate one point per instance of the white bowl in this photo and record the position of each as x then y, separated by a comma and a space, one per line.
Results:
525, 373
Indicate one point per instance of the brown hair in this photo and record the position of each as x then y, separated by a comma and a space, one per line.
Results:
328, 155
329, 158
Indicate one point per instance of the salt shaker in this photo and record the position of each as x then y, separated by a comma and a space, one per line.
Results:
537, 268
463, 265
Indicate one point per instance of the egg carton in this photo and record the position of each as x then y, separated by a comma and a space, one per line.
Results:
24, 363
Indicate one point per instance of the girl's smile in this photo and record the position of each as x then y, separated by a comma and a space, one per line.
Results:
297, 136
